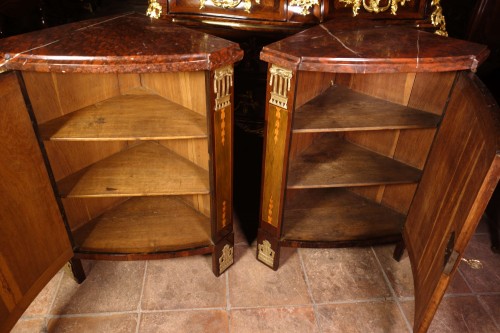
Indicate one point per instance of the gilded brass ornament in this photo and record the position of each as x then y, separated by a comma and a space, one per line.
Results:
437, 18
266, 253
226, 258
223, 81
154, 9
305, 5
374, 6
230, 4
277, 125
280, 79
223, 126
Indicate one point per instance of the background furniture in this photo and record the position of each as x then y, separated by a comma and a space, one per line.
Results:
371, 131
112, 150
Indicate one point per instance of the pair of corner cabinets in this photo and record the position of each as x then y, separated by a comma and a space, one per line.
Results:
118, 157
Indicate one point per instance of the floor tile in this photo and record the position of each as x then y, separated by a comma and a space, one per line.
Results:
120, 323
457, 314
251, 283
343, 274
215, 321
267, 320
492, 305
383, 317
486, 279
182, 283
30, 326
110, 286
43, 302
399, 273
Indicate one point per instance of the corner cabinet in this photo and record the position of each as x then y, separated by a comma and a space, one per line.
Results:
117, 145
375, 136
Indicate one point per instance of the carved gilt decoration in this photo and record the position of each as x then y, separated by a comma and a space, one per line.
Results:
305, 5
266, 253
154, 9
230, 4
374, 6
280, 79
226, 258
437, 18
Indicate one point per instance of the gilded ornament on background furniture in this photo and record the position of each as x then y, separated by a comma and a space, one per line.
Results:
223, 126
437, 18
277, 125
266, 253
154, 9
226, 258
374, 6
230, 4
305, 5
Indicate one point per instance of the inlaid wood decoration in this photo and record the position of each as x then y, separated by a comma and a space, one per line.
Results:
276, 138
222, 120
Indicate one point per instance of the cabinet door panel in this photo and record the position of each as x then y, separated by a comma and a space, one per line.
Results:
34, 243
461, 173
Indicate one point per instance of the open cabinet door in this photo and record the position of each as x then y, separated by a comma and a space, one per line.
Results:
461, 173
34, 244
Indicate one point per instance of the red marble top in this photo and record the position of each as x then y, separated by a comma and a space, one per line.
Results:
373, 50
127, 43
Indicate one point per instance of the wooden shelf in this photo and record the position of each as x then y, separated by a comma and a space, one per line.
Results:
138, 115
337, 215
145, 169
333, 162
341, 109
145, 225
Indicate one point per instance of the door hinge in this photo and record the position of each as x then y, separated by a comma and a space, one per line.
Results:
450, 263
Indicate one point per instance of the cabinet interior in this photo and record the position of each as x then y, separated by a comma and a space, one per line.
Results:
359, 143
130, 157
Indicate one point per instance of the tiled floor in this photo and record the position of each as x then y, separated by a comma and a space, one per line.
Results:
315, 290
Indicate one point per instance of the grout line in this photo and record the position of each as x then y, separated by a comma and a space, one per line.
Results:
465, 279
228, 302
391, 289
309, 291
285, 306
51, 305
486, 309
139, 306
358, 301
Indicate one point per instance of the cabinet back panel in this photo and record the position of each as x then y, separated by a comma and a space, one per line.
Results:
53, 95
395, 87
431, 91
185, 88
200, 202
195, 150
127, 82
310, 85
67, 157
80, 211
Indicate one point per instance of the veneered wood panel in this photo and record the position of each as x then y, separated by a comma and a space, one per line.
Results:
30, 217
274, 164
461, 173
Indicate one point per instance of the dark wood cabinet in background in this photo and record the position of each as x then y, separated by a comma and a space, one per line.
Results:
373, 135
129, 155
